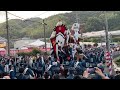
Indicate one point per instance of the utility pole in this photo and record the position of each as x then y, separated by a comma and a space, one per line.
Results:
111, 69
106, 34
111, 41
44, 35
8, 46
101, 39
76, 16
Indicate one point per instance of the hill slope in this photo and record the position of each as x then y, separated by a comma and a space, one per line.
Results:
94, 21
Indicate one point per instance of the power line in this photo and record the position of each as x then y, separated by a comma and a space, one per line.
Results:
42, 13
33, 21
16, 15
24, 18
33, 16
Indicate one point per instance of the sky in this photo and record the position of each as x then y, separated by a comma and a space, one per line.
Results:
28, 14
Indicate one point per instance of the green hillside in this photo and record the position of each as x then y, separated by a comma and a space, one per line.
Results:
93, 20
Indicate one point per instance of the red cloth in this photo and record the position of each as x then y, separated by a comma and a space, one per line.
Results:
61, 29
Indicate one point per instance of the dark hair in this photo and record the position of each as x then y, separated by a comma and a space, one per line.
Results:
25, 65
56, 76
71, 70
47, 61
5, 74
46, 75
77, 77
65, 72
117, 76
17, 64
11, 66
112, 77
1, 75
117, 72
49, 58
79, 51
57, 70
21, 70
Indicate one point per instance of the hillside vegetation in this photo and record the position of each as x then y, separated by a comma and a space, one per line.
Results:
93, 21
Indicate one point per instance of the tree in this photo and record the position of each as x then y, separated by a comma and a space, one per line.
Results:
94, 24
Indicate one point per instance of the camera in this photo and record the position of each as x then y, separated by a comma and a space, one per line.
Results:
91, 70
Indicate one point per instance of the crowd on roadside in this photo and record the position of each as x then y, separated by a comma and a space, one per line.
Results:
87, 64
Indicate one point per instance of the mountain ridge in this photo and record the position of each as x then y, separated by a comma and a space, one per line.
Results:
33, 28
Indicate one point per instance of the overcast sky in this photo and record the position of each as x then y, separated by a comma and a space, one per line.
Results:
29, 14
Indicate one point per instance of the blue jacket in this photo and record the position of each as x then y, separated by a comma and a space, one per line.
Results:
12, 74
71, 63
71, 76
21, 76
1, 68
29, 72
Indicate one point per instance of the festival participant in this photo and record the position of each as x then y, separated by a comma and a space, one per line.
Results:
21, 74
1, 67
29, 72
99, 72
46, 75
1, 75
6, 68
12, 72
71, 73
6, 76
56, 76
62, 72
48, 67
78, 60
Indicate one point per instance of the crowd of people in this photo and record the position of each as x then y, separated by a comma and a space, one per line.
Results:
87, 64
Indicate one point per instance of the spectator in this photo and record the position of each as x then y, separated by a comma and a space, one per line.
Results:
46, 75
77, 77
6, 76
71, 73
21, 75
99, 72
86, 74
56, 76
117, 76
1, 75
6, 68
29, 72
1, 67
62, 72
12, 72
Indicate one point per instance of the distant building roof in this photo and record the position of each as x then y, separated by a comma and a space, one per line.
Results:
22, 43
